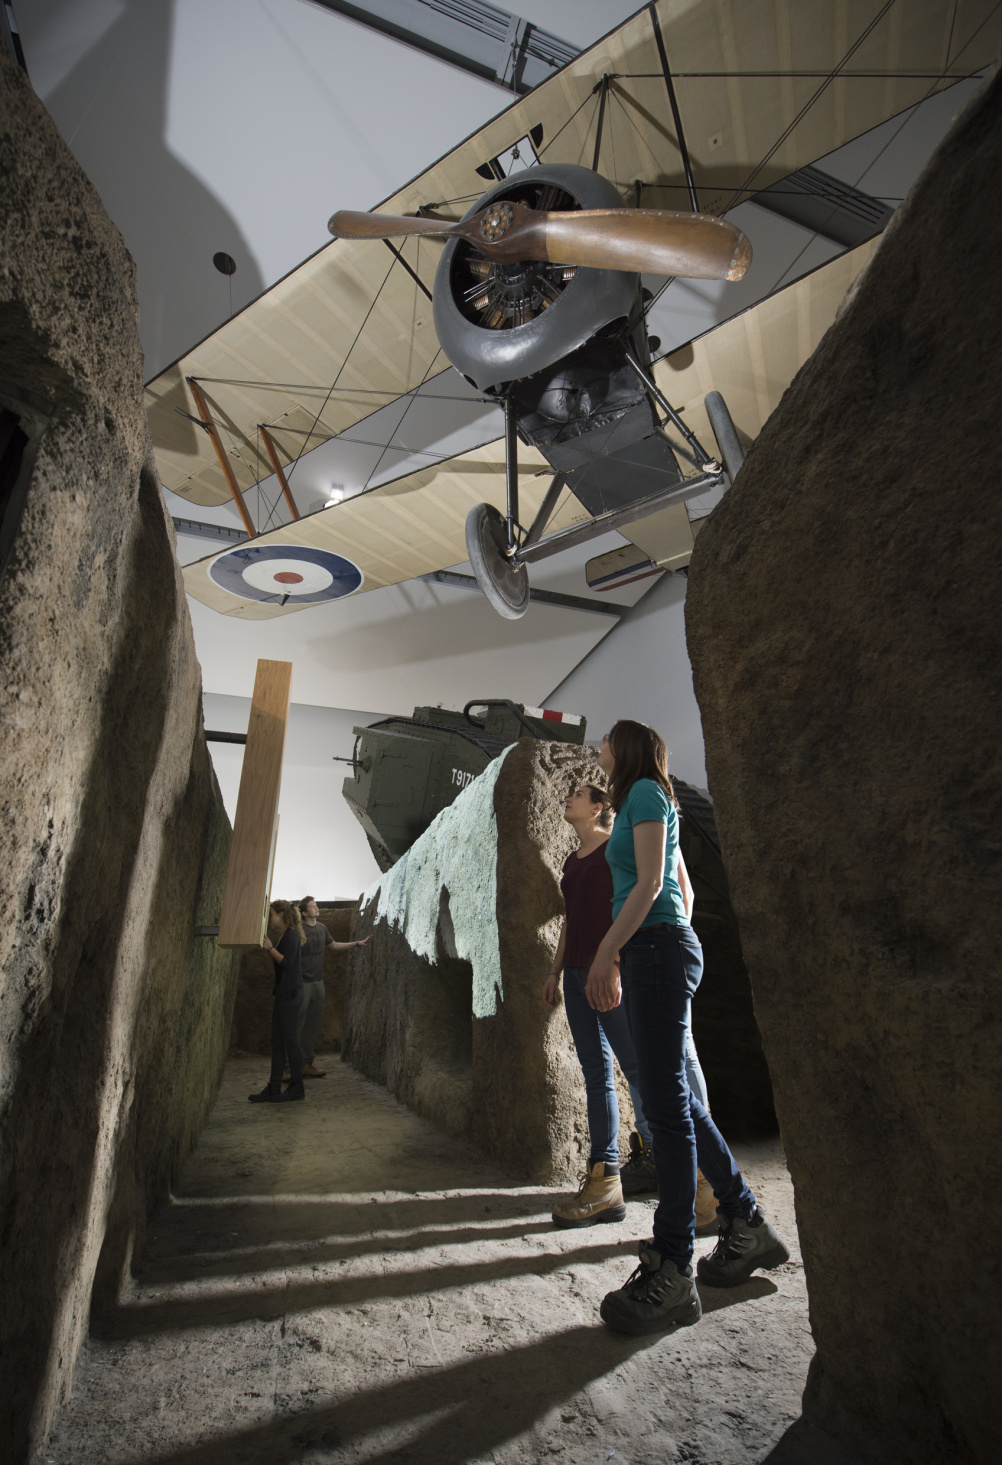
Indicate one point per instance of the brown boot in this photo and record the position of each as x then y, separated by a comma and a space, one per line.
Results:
599, 1198
310, 1070
706, 1207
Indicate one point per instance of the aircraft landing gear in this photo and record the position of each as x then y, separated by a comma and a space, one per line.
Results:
492, 538
505, 584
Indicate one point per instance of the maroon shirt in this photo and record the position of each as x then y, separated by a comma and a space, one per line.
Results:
587, 890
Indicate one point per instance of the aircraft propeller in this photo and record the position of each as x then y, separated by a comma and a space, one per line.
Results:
651, 241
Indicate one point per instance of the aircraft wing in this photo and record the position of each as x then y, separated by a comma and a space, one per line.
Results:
761, 94
415, 524
408, 527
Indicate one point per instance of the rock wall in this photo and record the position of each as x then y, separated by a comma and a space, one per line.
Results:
250, 1031
113, 839
843, 622
444, 1006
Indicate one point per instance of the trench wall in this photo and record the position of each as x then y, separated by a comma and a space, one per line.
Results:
113, 838
844, 631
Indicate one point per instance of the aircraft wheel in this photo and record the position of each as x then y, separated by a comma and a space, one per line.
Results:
505, 585
732, 454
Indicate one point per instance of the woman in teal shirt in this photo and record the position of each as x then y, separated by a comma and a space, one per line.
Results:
661, 963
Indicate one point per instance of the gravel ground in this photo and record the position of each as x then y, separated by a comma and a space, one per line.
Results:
336, 1281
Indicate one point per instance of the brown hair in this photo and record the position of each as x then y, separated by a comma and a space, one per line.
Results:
600, 796
290, 915
305, 901
639, 752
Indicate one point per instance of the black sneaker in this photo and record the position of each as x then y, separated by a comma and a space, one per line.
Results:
658, 1296
638, 1176
268, 1095
743, 1248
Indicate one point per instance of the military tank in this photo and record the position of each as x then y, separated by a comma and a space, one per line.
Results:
405, 770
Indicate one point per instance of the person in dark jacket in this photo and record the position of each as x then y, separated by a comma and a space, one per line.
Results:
287, 954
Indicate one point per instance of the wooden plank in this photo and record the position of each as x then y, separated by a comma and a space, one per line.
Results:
248, 875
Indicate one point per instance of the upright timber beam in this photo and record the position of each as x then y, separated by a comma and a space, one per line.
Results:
279, 471
208, 423
248, 875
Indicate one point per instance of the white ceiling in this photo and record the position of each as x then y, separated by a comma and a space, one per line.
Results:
240, 125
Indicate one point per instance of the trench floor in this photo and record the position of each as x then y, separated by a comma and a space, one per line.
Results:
336, 1281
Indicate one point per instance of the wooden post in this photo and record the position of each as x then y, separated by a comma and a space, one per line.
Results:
248, 875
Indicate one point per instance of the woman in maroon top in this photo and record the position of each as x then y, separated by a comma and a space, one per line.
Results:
586, 884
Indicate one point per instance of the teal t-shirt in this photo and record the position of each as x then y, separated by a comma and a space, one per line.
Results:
646, 801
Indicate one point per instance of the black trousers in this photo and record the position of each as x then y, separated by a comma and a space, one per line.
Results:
285, 1015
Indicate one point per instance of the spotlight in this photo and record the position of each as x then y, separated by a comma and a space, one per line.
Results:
335, 496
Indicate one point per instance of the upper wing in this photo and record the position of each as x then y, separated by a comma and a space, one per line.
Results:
351, 329
416, 524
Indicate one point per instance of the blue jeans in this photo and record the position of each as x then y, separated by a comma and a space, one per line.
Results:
597, 1036
661, 968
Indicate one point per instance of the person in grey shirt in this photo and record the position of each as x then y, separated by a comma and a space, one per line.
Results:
311, 1020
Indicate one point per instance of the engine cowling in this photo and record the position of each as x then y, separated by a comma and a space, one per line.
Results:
499, 323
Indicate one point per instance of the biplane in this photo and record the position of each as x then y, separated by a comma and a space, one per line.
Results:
684, 113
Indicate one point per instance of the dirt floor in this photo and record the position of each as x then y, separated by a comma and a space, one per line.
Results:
337, 1281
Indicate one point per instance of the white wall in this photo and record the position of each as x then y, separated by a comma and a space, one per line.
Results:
641, 670
321, 848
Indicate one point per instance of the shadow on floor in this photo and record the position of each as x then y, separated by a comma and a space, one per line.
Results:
231, 1234
443, 1417
192, 1263
212, 1307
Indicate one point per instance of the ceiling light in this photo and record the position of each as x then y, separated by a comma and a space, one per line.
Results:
335, 496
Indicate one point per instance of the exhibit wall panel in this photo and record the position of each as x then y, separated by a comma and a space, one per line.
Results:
641, 670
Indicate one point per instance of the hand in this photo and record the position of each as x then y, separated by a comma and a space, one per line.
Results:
602, 989
365, 942
268, 946
551, 990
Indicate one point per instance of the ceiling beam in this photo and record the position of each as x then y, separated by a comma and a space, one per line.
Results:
471, 34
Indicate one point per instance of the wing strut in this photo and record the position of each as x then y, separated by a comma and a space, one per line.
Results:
680, 135
279, 473
224, 462
703, 458
511, 471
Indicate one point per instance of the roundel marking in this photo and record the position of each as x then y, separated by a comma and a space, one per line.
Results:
290, 574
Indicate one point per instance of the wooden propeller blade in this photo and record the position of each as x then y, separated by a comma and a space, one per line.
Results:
347, 225
650, 241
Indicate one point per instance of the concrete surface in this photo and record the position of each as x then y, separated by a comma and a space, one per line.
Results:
338, 1281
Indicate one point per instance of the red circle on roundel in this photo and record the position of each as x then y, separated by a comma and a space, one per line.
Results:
287, 577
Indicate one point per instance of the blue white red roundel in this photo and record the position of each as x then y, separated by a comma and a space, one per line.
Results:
287, 574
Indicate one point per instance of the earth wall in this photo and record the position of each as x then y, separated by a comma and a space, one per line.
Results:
113, 838
844, 632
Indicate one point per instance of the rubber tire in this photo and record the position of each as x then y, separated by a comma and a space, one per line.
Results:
506, 588
732, 454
